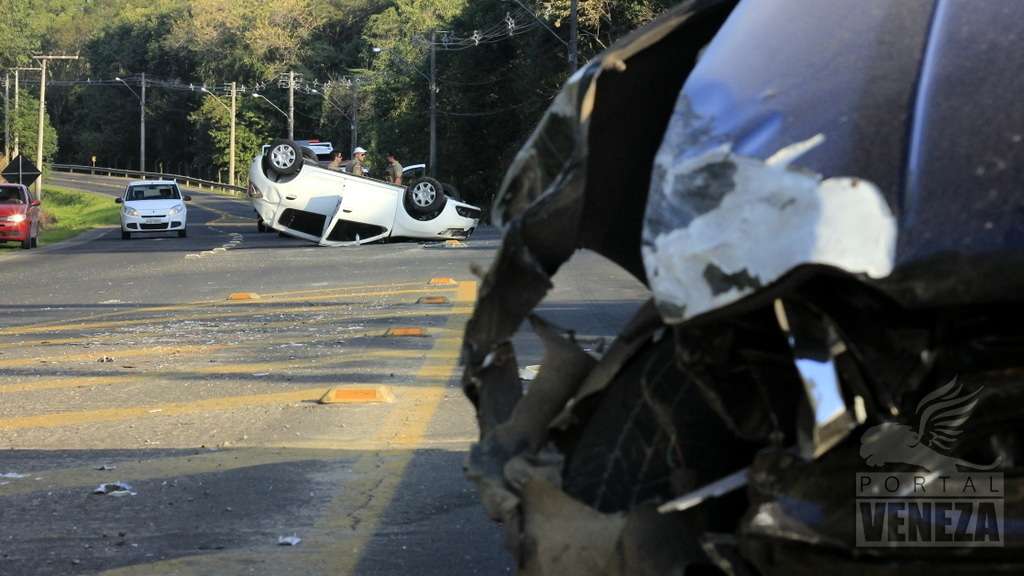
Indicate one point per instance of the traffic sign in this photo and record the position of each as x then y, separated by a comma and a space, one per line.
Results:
21, 170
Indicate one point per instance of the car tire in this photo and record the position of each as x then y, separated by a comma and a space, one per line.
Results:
284, 158
26, 243
182, 233
424, 198
126, 235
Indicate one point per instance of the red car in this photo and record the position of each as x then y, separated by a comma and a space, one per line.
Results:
19, 215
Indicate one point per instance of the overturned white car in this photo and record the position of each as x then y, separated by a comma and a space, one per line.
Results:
292, 193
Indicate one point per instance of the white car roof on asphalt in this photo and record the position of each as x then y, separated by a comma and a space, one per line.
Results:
150, 182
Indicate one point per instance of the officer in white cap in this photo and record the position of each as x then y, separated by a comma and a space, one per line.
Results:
356, 166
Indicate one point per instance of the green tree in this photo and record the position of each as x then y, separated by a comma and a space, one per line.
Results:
213, 121
25, 125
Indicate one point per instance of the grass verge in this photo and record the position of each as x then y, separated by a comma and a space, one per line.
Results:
70, 212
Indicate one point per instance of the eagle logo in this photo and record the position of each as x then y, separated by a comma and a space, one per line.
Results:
941, 413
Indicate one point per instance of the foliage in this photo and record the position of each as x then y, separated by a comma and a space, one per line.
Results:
488, 97
214, 122
68, 213
25, 127
71, 212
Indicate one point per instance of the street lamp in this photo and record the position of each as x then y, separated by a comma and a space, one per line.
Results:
283, 113
142, 119
231, 146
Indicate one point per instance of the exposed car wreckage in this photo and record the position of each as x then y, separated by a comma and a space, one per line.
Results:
293, 194
829, 239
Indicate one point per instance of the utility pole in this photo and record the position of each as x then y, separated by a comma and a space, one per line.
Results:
291, 105
231, 151
16, 131
573, 37
432, 166
44, 60
355, 113
142, 126
17, 90
7, 117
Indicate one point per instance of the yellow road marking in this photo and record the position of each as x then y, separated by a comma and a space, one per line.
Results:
406, 332
354, 291
357, 395
379, 484
170, 409
432, 300
117, 355
337, 539
243, 296
172, 467
223, 312
67, 382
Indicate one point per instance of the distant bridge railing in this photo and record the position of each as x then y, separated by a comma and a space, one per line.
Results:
187, 181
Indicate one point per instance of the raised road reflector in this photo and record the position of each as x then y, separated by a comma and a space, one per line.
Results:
358, 395
404, 332
432, 300
235, 296
444, 281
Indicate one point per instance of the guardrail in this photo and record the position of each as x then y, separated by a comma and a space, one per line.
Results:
187, 181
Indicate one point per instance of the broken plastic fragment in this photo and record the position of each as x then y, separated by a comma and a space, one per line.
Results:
12, 475
115, 489
292, 540
529, 373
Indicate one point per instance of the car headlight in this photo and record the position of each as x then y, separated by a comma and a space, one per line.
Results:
130, 211
15, 218
176, 210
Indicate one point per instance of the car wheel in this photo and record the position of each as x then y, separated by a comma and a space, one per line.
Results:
26, 243
126, 235
182, 233
424, 198
284, 158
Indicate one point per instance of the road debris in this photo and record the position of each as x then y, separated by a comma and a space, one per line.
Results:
529, 372
292, 540
14, 475
115, 489
105, 467
104, 359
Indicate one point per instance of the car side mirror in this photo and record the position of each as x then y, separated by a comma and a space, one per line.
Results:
188, 198
35, 203
118, 201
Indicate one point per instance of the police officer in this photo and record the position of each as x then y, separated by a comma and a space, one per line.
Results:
355, 166
393, 172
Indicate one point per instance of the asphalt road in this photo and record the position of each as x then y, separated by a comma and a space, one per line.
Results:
125, 361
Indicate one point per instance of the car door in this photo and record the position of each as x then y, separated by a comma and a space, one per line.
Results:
33, 211
366, 212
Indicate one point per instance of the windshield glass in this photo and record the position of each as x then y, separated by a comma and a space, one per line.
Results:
153, 192
11, 195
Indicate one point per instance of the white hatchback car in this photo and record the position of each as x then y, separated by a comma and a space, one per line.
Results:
153, 206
